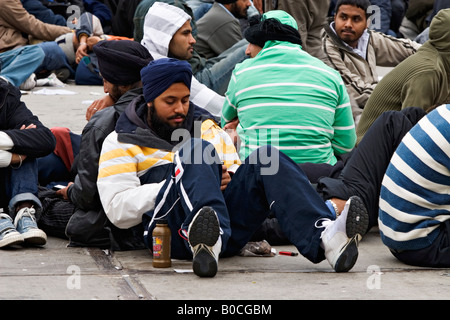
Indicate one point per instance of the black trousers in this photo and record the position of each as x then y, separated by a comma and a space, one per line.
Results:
363, 172
436, 255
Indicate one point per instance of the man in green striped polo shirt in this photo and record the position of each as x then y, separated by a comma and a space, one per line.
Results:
286, 98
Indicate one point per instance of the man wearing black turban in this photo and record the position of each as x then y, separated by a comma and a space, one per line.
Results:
120, 63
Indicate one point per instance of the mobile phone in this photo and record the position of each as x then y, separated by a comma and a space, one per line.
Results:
58, 187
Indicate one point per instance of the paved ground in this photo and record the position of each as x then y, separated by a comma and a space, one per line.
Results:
56, 271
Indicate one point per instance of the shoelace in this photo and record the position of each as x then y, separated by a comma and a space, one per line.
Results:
325, 224
26, 211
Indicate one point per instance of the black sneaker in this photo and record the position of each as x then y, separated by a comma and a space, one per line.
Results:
204, 238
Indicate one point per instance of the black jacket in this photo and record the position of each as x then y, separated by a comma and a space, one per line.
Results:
88, 225
14, 113
83, 192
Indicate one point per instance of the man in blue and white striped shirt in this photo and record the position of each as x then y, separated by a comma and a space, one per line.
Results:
414, 216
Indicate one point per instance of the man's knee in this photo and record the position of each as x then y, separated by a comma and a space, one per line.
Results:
268, 157
198, 151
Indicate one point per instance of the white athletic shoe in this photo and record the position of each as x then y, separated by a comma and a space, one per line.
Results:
341, 237
29, 84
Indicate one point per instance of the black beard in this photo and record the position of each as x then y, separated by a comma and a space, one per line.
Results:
161, 128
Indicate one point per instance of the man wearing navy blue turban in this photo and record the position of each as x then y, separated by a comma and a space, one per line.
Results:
145, 176
162, 73
170, 78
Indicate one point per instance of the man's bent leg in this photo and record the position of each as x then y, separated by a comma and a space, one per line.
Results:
193, 186
364, 171
286, 191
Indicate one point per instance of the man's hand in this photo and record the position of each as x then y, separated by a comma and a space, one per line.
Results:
92, 41
30, 126
63, 192
82, 50
97, 105
230, 128
226, 178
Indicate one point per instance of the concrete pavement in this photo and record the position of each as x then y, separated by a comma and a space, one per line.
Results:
58, 272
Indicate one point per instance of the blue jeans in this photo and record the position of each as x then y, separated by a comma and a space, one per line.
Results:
19, 185
258, 188
17, 65
217, 71
55, 58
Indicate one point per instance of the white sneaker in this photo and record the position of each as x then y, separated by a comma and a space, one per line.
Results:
206, 243
51, 81
341, 236
29, 84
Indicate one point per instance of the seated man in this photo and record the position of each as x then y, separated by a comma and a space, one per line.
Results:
120, 63
414, 218
172, 36
146, 175
421, 80
285, 97
15, 22
355, 51
23, 138
18, 65
219, 28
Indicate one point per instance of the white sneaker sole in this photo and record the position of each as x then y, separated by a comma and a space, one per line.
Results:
35, 237
11, 239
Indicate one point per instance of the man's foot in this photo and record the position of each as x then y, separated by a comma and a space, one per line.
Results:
29, 84
341, 236
205, 241
8, 233
26, 225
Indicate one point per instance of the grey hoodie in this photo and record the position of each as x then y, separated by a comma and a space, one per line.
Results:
161, 23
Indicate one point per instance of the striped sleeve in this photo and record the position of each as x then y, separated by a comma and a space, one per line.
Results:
120, 189
222, 143
415, 193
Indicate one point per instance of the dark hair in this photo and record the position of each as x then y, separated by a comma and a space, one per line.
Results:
362, 4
